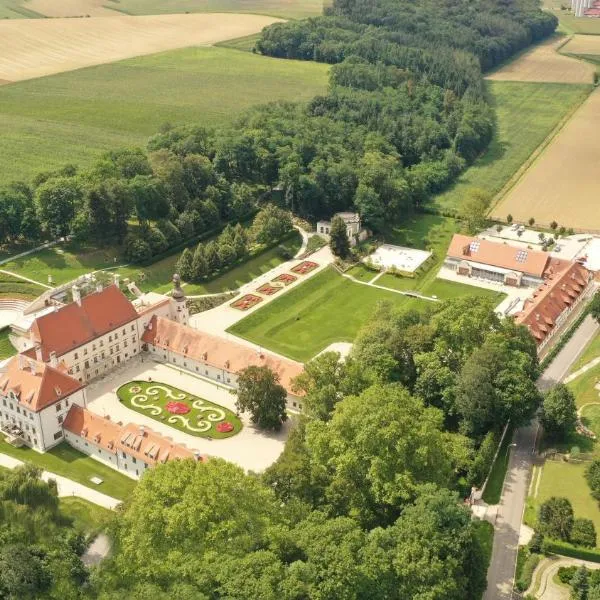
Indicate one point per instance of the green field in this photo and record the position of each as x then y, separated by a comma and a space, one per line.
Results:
592, 351
87, 517
584, 387
151, 399
6, 348
66, 461
287, 9
569, 23
325, 309
72, 117
13, 287
526, 113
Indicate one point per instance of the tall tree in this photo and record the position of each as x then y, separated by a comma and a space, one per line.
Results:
338, 241
555, 518
56, 200
260, 394
559, 412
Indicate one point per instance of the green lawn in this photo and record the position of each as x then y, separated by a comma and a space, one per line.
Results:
72, 117
6, 348
287, 9
325, 309
151, 399
361, 273
484, 532
68, 462
87, 517
569, 23
13, 287
592, 351
526, 114
590, 416
584, 386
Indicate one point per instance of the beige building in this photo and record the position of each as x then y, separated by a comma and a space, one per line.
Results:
354, 229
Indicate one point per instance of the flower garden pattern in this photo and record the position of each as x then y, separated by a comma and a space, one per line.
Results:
183, 411
246, 302
285, 278
268, 290
305, 267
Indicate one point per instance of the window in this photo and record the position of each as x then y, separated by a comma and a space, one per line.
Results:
133, 460
58, 435
95, 359
123, 332
85, 352
18, 410
75, 356
133, 328
77, 369
93, 346
110, 338
60, 419
87, 364
58, 407
206, 371
101, 343
4, 401
124, 455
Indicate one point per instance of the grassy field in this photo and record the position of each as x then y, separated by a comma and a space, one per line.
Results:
6, 348
592, 351
287, 9
72, 117
200, 421
569, 23
87, 517
526, 114
325, 309
583, 387
13, 287
68, 462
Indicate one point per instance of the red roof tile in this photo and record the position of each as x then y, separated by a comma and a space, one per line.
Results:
73, 325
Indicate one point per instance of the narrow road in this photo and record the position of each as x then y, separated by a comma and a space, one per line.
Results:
514, 492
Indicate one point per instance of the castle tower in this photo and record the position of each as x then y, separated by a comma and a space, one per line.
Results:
179, 304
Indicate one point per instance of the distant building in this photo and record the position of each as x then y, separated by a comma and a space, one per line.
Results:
354, 230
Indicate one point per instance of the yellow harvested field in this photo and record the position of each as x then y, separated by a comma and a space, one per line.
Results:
71, 8
563, 184
544, 64
583, 44
38, 47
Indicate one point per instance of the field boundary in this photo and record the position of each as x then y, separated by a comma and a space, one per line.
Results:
520, 173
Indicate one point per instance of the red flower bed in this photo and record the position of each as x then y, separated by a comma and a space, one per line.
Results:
305, 267
178, 408
268, 289
285, 278
246, 302
224, 427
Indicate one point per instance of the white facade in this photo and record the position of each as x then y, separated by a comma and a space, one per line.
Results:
354, 230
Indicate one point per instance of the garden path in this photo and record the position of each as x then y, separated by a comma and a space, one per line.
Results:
583, 369
66, 487
543, 586
12, 274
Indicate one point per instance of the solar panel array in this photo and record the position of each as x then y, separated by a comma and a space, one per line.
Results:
521, 256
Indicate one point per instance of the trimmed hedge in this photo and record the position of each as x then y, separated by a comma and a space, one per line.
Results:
524, 581
566, 549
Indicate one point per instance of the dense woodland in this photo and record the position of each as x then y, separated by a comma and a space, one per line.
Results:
405, 113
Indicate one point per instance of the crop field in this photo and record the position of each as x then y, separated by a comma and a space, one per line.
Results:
544, 63
325, 309
562, 184
526, 113
35, 48
16, 9
583, 44
568, 23
72, 117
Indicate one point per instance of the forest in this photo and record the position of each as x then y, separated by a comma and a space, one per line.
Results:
406, 112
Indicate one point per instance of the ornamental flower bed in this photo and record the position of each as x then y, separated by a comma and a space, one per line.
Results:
246, 302
177, 408
285, 278
224, 427
268, 290
305, 267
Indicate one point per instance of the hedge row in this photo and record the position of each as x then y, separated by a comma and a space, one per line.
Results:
526, 576
566, 549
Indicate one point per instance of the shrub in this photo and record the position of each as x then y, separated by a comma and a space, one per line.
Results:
565, 574
584, 533
315, 242
556, 518
592, 475
524, 580
566, 549
536, 544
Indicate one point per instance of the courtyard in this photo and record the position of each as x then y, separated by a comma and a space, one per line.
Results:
248, 447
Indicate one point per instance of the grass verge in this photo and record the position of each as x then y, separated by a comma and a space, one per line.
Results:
493, 489
6, 348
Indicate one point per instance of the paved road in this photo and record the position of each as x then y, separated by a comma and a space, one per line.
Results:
514, 492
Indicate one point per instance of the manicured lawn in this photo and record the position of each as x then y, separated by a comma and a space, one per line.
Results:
590, 416
325, 309
202, 419
567, 480
87, 517
245, 43
493, 490
592, 351
526, 113
361, 273
6, 348
583, 387
68, 462
17, 289
72, 117
287, 9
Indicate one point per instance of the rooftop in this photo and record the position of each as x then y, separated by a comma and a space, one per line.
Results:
73, 325
36, 384
216, 351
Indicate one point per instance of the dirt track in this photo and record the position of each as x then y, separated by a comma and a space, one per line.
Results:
562, 184
544, 64
37, 47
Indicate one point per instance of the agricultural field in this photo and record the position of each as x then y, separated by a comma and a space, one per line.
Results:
526, 114
17, 9
546, 193
544, 64
325, 309
583, 44
73, 117
568, 23
36, 48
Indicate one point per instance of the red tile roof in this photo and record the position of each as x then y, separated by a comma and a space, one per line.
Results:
36, 384
566, 281
140, 442
73, 325
530, 262
215, 351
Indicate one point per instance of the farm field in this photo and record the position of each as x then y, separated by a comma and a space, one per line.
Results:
526, 113
73, 117
17, 9
569, 23
35, 48
325, 309
546, 193
583, 44
544, 63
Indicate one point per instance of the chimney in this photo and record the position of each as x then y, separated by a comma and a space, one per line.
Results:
21, 362
116, 277
142, 431
53, 359
76, 294
38, 353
